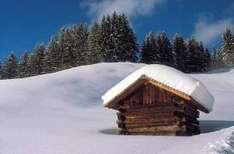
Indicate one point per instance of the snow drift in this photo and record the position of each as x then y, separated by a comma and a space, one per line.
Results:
62, 113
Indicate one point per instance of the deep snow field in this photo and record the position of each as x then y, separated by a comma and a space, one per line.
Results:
62, 113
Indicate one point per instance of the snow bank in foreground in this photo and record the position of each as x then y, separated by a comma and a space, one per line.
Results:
225, 145
62, 113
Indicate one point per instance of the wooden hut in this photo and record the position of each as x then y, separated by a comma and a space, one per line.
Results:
158, 100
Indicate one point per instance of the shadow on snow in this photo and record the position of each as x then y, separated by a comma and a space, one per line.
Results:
206, 126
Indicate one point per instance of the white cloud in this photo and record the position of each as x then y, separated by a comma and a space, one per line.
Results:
209, 32
131, 8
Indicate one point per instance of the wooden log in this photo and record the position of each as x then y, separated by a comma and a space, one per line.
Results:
171, 128
190, 108
152, 116
167, 133
127, 106
161, 108
149, 116
184, 114
144, 115
121, 125
157, 107
152, 109
139, 125
192, 129
120, 116
160, 130
124, 132
157, 133
146, 120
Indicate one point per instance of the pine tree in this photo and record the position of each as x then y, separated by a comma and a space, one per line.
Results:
31, 65
23, 65
94, 52
106, 40
227, 48
66, 47
124, 39
201, 58
53, 56
193, 58
39, 55
117, 39
206, 60
227, 37
10, 68
179, 49
217, 59
79, 45
65, 52
188, 57
165, 50
149, 50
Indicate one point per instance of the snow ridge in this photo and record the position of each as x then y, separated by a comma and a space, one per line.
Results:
224, 145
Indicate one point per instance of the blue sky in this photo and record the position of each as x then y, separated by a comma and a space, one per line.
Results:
27, 22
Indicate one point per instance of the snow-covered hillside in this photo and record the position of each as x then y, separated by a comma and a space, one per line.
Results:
62, 113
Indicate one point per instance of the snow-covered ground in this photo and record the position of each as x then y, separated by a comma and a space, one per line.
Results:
62, 113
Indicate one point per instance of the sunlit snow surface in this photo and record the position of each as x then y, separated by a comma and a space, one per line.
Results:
62, 113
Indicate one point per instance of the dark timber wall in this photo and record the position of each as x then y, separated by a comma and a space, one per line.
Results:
155, 111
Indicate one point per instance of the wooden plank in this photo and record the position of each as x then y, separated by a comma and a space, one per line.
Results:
199, 106
120, 116
158, 133
184, 114
172, 90
151, 116
153, 124
172, 128
153, 108
150, 120
181, 131
121, 96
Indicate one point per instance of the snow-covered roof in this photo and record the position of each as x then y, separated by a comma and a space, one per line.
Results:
170, 77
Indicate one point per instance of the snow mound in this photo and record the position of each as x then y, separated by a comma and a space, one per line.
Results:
168, 76
225, 145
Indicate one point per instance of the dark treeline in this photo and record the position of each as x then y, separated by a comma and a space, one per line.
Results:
110, 40
187, 56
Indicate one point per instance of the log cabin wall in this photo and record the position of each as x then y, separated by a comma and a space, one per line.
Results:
150, 95
153, 110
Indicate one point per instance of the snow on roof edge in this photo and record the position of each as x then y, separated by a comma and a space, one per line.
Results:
168, 76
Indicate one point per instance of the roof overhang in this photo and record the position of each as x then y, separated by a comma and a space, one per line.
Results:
145, 80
